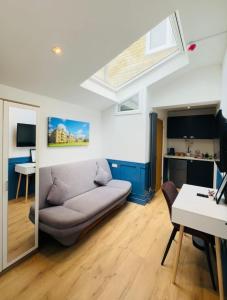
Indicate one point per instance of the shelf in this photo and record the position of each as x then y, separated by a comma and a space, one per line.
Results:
189, 158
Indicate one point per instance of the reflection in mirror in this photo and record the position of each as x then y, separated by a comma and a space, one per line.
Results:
21, 181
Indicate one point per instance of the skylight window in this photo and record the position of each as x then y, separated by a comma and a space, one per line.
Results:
147, 52
155, 55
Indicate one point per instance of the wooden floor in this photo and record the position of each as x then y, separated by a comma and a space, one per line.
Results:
119, 259
21, 231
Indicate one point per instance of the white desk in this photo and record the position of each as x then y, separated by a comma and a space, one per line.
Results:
202, 214
24, 169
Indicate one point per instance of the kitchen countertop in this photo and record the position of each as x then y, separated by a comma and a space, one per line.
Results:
188, 158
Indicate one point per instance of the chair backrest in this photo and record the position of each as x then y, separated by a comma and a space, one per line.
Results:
170, 192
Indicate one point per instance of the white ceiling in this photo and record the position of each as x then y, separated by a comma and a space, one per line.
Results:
91, 33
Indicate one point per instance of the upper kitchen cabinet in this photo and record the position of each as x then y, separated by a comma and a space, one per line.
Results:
194, 127
177, 127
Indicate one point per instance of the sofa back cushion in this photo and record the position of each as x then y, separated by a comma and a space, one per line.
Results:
78, 176
102, 177
58, 193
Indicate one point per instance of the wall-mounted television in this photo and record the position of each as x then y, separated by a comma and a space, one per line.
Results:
220, 143
26, 135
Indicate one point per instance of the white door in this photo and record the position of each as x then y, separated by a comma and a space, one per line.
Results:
1, 194
20, 181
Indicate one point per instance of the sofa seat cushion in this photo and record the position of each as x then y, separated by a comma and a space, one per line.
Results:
93, 202
120, 184
60, 217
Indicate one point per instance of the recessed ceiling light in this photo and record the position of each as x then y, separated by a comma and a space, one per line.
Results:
57, 50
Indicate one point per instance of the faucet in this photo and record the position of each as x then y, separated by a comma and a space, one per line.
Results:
188, 149
188, 144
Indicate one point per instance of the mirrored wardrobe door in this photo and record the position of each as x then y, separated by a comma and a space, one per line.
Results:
1, 195
20, 171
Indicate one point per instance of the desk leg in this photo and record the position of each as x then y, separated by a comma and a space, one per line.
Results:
18, 186
219, 268
181, 232
26, 192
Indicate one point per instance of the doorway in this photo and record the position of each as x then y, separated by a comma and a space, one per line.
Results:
159, 146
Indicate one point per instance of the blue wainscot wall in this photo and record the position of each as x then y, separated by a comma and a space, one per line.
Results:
138, 174
13, 178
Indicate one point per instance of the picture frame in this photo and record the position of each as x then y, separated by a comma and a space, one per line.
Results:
67, 133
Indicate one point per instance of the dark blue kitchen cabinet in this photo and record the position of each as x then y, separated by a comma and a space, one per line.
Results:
191, 127
177, 127
200, 173
195, 172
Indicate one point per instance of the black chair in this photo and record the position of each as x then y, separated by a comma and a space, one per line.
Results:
170, 193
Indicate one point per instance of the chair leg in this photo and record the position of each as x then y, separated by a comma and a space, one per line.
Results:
207, 249
177, 257
172, 236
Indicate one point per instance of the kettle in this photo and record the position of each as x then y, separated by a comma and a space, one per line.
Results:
171, 151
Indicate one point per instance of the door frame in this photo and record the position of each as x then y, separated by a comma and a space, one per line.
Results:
6, 106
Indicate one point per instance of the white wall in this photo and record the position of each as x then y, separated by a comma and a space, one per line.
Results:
195, 87
19, 115
224, 86
51, 107
124, 136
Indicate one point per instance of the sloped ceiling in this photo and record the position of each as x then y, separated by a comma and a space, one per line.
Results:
91, 33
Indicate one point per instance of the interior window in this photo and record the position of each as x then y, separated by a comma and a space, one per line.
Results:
130, 104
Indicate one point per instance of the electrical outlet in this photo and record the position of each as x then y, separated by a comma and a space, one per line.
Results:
114, 166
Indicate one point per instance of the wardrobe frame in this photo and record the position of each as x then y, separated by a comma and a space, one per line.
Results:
5, 105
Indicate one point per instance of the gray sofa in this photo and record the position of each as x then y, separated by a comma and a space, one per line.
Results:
87, 202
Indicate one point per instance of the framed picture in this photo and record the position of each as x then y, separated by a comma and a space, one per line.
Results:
221, 189
65, 133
